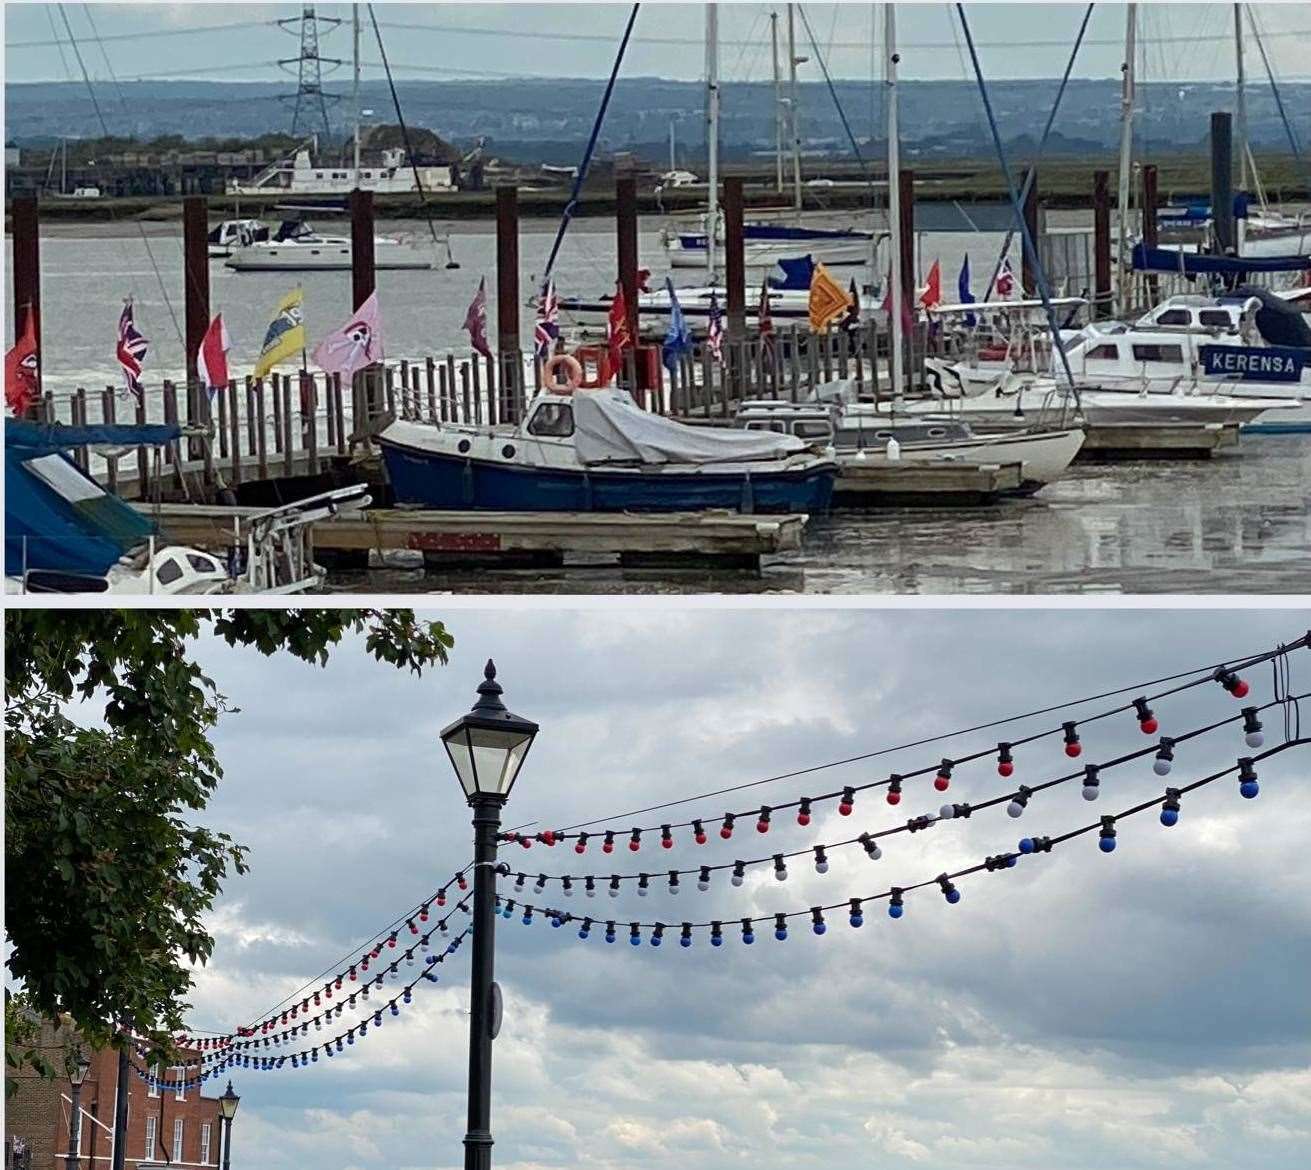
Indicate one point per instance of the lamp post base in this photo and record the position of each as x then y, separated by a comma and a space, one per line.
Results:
477, 1150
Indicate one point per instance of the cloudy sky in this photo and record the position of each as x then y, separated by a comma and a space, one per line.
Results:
1144, 1009
239, 42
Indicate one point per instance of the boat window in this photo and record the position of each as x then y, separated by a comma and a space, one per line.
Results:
202, 564
812, 430
1174, 317
59, 474
1158, 353
1108, 352
168, 572
1215, 319
553, 420
937, 432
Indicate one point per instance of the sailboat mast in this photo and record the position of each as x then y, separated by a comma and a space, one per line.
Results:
672, 164
895, 291
794, 119
712, 137
778, 104
1126, 154
355, 89
1240, 97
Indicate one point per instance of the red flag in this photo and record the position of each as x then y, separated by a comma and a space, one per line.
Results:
764, 318
931, 297
22, 365
907, 323
620, 337
212, 357
475, 320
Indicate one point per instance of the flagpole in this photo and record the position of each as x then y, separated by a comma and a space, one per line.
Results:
895, 293
712, 137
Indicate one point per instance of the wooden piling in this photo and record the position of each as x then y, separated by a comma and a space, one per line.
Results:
1151, 233
26, 229
1222, 181
906, 181
363, 274
507, 271
195, 276
626, 232
1103, 294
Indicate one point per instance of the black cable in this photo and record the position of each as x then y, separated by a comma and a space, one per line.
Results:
1206, 674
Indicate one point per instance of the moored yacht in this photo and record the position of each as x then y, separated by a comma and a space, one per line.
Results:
297, 247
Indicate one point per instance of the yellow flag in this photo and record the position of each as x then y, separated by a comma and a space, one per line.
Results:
828, 300
285, 336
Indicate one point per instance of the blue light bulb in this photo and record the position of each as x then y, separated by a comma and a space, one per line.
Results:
953, 896
1026, 845
684, 942
584, 933
655, 940
781, 933
1249, 788
858, 920
609, 936
557, 921
1107, 844
1169, 816
819, 928
527, 920
635, 940
895, 911
748, 937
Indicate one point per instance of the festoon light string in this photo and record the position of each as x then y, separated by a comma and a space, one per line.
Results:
1016, 801
1169, 802
310, 1055
1226, 675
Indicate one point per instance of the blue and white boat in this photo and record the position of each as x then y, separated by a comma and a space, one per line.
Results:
598, 451
765, 244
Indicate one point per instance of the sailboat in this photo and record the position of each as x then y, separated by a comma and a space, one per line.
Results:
764, 243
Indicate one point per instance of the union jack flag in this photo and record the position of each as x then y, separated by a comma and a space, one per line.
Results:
547, 328
715, 331
1005, 280
132, 349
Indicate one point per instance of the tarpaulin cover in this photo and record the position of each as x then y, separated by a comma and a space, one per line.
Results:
1147, 259
58, 518
1278, 322
57, 436
609, 427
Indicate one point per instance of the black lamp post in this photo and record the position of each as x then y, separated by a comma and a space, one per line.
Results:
227, 1111
487, 748
76, 1077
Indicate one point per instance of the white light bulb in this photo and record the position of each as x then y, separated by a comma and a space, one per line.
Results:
673, 889
568, 891
876, 854
703, 886
946, 812
1015, 809
737, 879
781, 875
1254, 739
590, 891
1161, 767
1090, 791
614, 891
821, 867
641, 891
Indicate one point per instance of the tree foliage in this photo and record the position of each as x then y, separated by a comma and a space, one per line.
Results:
108, 874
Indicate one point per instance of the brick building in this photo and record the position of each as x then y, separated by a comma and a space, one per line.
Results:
176, 1127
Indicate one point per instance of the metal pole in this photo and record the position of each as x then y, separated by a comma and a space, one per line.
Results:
1030, 211
227, 1143
75, 1128
794, 115
896, 291
122, 1086
27, 265
478, 1139
1151, 235
778, 104
712, 137
1240, 96
355, 89
1126, 158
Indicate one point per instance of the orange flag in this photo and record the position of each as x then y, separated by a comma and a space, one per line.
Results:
828, 300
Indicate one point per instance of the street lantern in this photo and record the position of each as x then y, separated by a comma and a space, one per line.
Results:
77, 1076
227, 1111
80, 1069
487, 748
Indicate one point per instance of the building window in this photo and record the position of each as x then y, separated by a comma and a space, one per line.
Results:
151, 1122
153, 1091
177, 1139
204, 1143
180, 1092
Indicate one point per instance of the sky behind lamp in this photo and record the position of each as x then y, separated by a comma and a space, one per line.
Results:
487, 748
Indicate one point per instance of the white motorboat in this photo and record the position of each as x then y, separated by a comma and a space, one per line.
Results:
765, 244
653, 308
234, 233
298, 247
869, 434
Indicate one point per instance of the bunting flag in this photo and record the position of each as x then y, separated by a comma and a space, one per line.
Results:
619, 335
964, 293
715, 329
907, 322
827, 300
22, 369
285, 336
547, 327
931, 297
212, 357
765, 319
475, 320
1005, 280
851, 322
678, 338
355, 345
132, 349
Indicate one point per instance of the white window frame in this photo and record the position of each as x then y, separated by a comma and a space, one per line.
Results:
204, 1143
177, 1139
153, 1090
152, 1125
180, 1092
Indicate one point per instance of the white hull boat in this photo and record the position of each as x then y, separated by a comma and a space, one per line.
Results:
297, 247
653, 308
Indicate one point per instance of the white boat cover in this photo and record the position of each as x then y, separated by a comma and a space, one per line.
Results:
609, 427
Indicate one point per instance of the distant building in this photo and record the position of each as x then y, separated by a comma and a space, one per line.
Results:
177, 1127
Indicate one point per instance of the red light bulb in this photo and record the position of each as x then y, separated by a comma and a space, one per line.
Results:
1073, 749
894, 796
1005, 768
700, 838
803, 819
580, 848
1149, 726
941, 782
1240, 689
607, 847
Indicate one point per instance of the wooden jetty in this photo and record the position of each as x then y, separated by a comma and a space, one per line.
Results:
941, 484
462, 539
1115, 441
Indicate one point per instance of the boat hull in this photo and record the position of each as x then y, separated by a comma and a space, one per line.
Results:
767, 253
432, 479
329, 257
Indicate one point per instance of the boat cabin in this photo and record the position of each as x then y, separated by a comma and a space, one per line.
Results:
1204, 314
846, 430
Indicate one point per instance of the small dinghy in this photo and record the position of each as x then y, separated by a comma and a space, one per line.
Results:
598, 451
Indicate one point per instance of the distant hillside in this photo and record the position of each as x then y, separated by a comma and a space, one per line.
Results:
548, 120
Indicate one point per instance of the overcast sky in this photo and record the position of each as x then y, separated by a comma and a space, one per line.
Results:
1144, 1009
434, 41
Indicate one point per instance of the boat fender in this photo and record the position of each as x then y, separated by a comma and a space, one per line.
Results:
894, 450
573, 374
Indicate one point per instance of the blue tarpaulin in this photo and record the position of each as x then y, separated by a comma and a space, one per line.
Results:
58, 437
1147, 259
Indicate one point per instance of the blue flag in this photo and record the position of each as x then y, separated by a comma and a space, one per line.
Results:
678, 339
963, 290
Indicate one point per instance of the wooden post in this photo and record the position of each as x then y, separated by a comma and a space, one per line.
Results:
27, 269
1151, 235
1103, 295
363, 274
626, 230
908, 276
507, 272
1222, 181
195, 275
734, 259
1027, 276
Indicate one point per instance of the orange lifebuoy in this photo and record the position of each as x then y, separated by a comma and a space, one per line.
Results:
598, 356
573, 375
